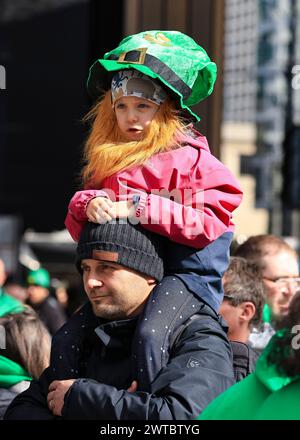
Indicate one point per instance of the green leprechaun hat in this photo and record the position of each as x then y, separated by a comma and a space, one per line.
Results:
39, 277
170, 56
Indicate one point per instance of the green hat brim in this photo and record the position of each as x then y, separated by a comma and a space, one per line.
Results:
102, 71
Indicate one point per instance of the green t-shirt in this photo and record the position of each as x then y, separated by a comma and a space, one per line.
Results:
265, 394
11, 373
8, 304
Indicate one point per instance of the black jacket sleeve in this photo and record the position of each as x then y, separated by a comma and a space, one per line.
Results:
32, 403
199, 369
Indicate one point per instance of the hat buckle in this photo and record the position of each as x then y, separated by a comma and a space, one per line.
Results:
142, 54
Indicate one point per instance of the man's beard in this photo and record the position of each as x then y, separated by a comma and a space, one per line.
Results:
108, 311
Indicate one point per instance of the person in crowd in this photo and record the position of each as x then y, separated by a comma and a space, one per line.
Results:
61, 293
39, 298
24, 353
7, 302
62, 296
278, 262
271, 392
16, 289
92, 375
144, 161
242, 305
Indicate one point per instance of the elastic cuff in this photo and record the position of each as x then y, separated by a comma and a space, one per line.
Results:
95, 194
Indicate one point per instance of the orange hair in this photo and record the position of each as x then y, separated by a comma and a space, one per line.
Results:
106, 152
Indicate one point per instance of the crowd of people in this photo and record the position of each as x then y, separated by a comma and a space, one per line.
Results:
173, 328
197, 366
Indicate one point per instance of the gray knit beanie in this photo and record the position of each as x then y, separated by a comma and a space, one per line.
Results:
129, 245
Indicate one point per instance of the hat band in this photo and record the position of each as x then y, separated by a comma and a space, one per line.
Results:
131, 82
160, 68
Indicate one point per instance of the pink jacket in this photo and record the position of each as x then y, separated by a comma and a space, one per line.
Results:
186, 194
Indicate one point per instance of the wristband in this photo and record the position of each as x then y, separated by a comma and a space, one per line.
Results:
136, 200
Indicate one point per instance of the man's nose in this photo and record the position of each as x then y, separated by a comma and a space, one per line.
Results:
290, 288
94, 282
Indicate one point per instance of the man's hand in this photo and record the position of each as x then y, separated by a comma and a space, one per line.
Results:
57, 391
133, 387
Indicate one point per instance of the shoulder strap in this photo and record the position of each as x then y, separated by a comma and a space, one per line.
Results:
241, 360
240, 351
178, 332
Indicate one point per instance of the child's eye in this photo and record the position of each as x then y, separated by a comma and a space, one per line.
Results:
142, 106
120, 106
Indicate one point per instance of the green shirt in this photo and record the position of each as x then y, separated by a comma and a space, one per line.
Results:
8, 304
11, 373
263, 395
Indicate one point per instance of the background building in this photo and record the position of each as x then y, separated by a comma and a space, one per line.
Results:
260, 138
239, 131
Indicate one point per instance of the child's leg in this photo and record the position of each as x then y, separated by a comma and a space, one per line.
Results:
202, 270
169, 305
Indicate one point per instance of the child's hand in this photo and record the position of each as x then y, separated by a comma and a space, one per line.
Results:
123, 209
100, 210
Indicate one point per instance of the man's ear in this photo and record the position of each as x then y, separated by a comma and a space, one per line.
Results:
248, 311
151, 281
2, 273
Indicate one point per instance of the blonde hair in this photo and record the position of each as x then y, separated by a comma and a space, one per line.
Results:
107, 152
